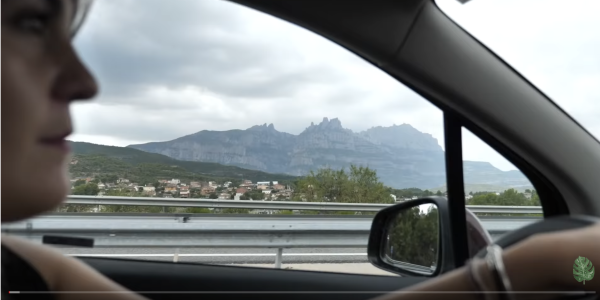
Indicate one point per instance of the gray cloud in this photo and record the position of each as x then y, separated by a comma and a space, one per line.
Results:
171, 68
189, 43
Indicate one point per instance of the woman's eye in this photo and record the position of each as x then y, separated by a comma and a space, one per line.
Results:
34, 24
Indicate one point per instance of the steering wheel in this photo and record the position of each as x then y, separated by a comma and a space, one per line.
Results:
547, 225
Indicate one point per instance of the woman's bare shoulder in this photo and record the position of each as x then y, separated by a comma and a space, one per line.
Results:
44, 259
63, 273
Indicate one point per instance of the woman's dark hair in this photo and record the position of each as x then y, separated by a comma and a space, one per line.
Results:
81, 8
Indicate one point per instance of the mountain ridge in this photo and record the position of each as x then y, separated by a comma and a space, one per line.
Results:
403, 156
134, 157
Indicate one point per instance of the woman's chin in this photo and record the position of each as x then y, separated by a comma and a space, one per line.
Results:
31, 202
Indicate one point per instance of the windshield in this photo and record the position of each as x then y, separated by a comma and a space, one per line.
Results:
554, 44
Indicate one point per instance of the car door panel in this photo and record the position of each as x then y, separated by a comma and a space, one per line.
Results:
193, 281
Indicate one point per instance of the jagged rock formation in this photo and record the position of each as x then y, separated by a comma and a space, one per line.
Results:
402, 155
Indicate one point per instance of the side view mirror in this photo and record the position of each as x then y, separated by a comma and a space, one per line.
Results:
412, 238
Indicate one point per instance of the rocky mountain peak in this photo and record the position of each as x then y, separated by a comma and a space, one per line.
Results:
264, 127
401, 136
327, 125
402, 155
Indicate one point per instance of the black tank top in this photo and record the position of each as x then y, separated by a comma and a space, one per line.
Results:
19, 275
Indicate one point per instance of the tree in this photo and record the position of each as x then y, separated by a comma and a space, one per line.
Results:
123, 193
112, 178
413, 237
535, 200
438, 193
90, 189
254, 195
236, 211
358, 185
76, 208
134, 209
509, 197
79, 182
213, 196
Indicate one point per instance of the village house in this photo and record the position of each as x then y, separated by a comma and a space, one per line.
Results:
163, 181
212, 184
207, 190
184, 194
287, 194
175, 181
246, 185
227, 184
279, 187
171, 188
224, 196
266, 192
122, 180
149, 188
195, 184
247, 182
101, 185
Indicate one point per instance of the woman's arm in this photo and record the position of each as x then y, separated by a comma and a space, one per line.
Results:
541, 263
63, 273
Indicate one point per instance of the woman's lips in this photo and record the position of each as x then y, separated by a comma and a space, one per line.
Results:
57, 142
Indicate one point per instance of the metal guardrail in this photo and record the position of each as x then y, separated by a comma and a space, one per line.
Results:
275, 205
235, 231
222, 231
219, 231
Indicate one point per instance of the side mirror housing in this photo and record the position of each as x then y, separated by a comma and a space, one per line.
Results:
413, 238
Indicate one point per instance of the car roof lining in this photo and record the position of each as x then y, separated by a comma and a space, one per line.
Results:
432, 55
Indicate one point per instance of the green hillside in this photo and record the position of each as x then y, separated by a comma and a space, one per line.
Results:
131, 163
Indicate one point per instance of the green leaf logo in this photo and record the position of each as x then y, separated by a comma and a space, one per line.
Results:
583, 269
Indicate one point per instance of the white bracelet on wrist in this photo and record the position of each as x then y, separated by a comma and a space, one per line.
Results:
496, 266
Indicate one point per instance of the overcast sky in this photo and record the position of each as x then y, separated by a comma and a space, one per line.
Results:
171, 68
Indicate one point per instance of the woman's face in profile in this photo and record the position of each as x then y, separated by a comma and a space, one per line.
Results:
41, 76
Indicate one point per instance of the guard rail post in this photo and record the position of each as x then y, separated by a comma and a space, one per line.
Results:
278, 258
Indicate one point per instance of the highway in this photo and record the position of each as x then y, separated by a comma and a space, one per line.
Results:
229, 255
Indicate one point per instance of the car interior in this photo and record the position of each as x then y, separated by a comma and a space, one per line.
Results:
417, 44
